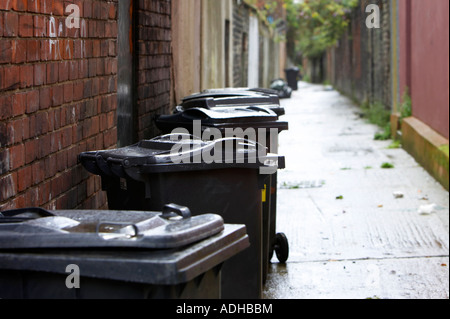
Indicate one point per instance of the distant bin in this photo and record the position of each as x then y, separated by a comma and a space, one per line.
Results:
145, 176
119, 254
292, 75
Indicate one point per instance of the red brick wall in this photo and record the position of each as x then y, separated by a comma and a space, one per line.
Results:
57, 99
153, 63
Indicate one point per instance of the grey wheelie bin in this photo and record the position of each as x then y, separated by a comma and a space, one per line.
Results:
114, 254
224, 176
252, 122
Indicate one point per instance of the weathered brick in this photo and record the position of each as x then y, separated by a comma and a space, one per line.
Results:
112, 11
26, 76
50, 166
100, 28
26, 128
92, 67
61, 163
78, 91
44, 146
41, 123
68, 92
112, 49
19, 201
5, 5
32, 197
77, 49
63, 71
34, 6
33, 50
9, 186
40, 26
87, 86
73, 70
46, 6
45, 98
30, 151
40, 74
100, 67
66, 49
5, 51
52, 73
2, 78
87, 9
20, 5
96, 48
26, 25
32, 101
56, 186
16, 131
95, 89
19, 101
12, 77
58, 8
44, 193
17, 156
19, 51
57, 95
4, 161
83, 71
66, 137
11, 22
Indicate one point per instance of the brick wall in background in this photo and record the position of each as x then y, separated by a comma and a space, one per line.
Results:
57, 99
360, 65
153, 63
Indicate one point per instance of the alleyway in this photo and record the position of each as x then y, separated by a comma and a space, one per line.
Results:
349, 236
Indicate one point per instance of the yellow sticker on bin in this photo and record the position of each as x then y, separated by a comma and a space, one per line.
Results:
264, 191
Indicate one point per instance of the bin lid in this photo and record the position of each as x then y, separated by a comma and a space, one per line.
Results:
178, 152
147, 266
174, 227
266, 98
230, 92
222, 118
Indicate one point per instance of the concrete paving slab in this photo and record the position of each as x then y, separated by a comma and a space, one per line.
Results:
408, 278
345, 216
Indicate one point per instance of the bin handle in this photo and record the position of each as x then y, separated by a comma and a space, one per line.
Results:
114, 231
170, 209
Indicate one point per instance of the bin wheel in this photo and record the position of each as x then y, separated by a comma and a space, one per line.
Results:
281, 247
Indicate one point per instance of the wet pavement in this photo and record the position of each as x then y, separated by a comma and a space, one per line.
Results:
355, 230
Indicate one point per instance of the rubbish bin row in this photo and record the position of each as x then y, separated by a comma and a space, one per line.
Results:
252, 112
216, 241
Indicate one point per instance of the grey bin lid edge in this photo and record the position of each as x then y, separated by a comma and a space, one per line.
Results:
139, 266
106, 229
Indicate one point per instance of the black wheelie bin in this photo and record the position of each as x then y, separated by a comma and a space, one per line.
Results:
77, 254
252, 122
245, 97
292, 75
224, 176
